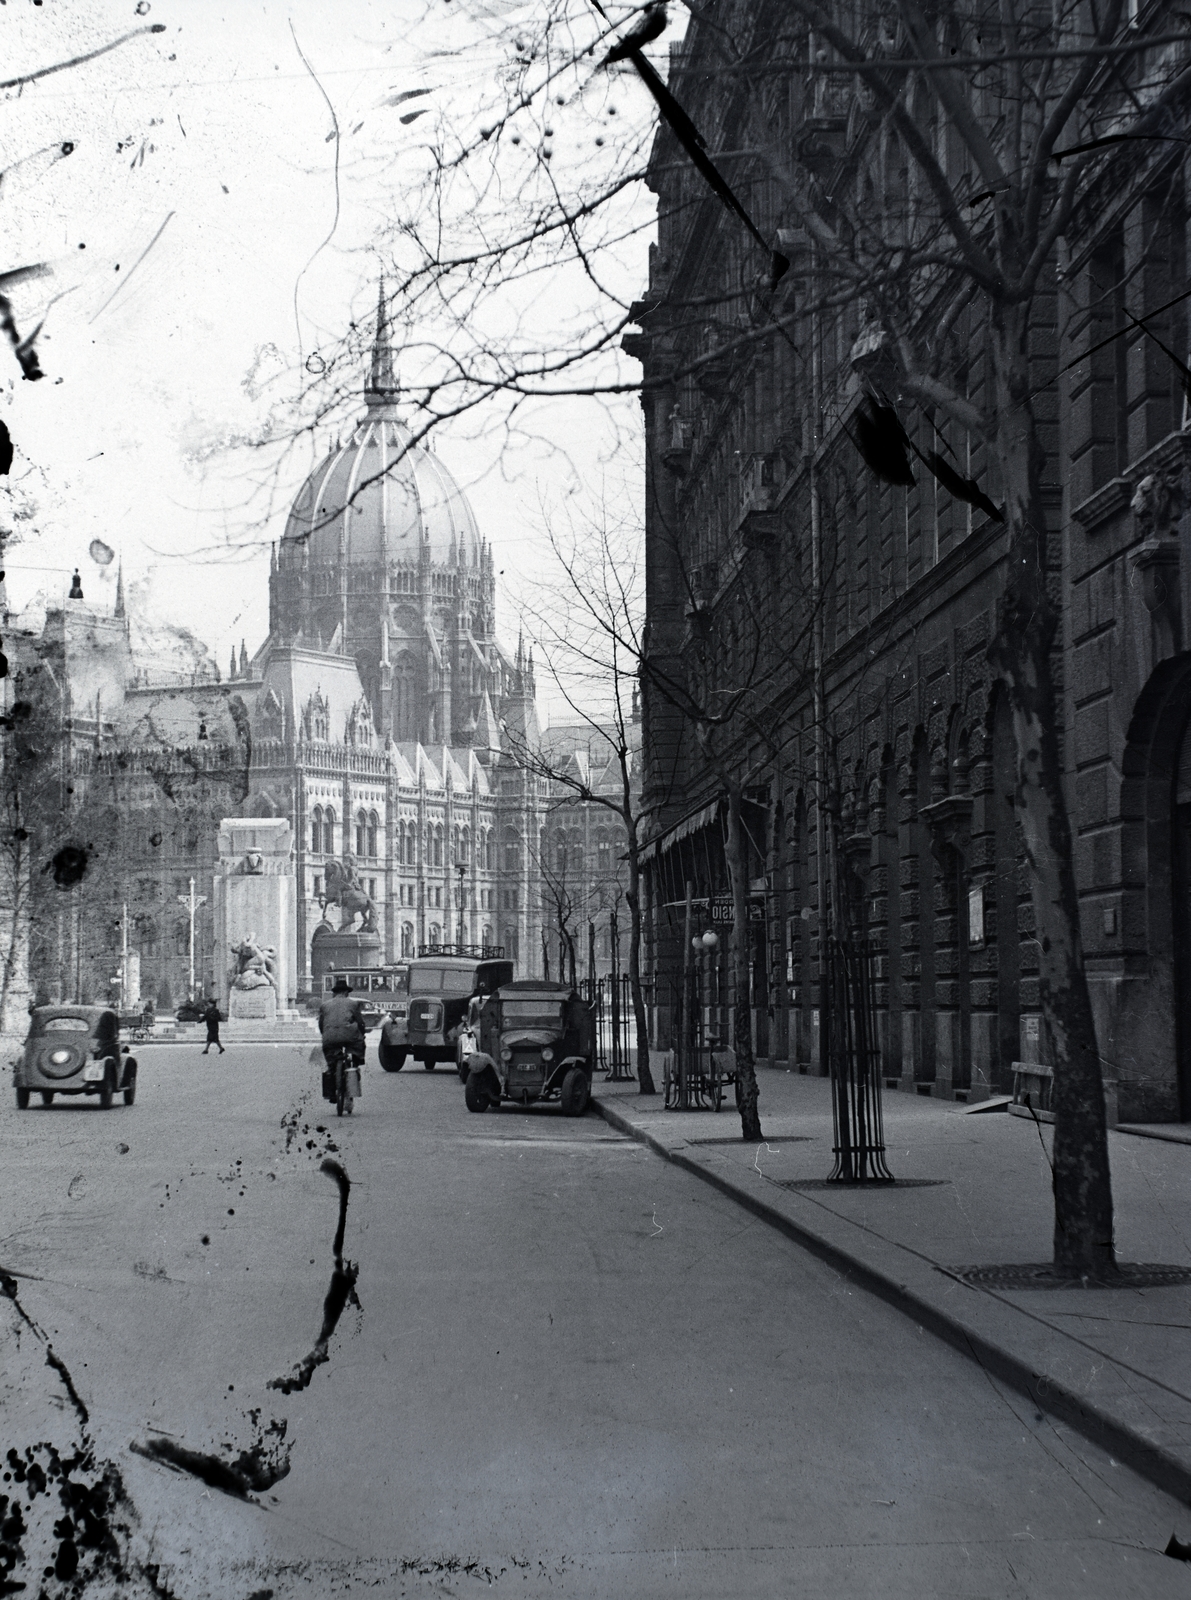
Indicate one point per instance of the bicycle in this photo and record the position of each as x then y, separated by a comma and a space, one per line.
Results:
344, 1065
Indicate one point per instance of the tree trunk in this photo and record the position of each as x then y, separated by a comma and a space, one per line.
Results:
742, 1039
1027, 619
645, 1082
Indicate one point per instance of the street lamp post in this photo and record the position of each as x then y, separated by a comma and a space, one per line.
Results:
192, 902
461, 869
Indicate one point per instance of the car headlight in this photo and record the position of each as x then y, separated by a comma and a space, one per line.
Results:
506, 1053
59, 1057
547, 1054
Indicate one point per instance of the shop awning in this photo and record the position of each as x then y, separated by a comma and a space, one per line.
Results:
682, 829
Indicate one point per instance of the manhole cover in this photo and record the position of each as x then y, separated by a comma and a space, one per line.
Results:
883, 1184
1130, 1275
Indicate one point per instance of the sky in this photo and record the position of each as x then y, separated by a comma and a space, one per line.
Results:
209, 233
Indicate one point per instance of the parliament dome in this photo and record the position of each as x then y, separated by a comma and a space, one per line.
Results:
380, 500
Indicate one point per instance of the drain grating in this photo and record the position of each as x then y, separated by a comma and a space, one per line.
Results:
1130, 1275
775, 1140
883, 1184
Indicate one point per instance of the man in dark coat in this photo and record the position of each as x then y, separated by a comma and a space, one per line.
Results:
211, 1018
341, 1022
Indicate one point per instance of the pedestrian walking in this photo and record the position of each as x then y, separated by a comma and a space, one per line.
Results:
211, 1018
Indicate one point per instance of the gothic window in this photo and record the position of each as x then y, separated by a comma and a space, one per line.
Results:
575, 858
511, 943
456, 858
463, 848
316, 829
373, 831
361, 834
438, 843
407, 938
560, 855
435, 933
147, 936
604, 852
329, 830
512, 842
181, 938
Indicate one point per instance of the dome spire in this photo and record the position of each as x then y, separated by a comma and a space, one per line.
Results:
382, 388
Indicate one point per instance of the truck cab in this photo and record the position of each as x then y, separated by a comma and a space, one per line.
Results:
536, 1043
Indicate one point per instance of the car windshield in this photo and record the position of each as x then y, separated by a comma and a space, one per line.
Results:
530, 1014
442, 980
66, 1025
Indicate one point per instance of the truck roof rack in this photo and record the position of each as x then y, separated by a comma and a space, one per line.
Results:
464, 952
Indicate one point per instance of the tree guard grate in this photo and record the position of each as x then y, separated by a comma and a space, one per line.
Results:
1129, 1275
854, 1060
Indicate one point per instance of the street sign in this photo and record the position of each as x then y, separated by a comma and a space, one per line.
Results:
721, 910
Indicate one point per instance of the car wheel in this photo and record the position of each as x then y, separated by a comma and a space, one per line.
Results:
22, 1099
105, 1094
391, 1059
475, 1095
429, 1064
576, 1092
130, 1093
47, 1097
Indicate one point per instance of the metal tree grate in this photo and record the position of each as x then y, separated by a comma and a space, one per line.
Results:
854, 1059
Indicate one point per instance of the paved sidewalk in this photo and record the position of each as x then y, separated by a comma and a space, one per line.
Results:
1116, 1363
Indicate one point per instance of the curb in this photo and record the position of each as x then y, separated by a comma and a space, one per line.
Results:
1150, 1460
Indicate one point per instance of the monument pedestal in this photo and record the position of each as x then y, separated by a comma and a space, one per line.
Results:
254, 899
252, 1005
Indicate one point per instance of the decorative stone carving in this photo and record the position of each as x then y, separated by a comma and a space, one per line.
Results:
254, 965
950, 823
1158, 504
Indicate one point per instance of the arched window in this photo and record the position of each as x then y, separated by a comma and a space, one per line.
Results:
512, 843
438, 840
510, 944
455, 855
373, 831
560, 854
316, 829
463, 848
361, 834
407, 938
486, 837
329, 830
604, 852
576, 859
435, 933
486, 933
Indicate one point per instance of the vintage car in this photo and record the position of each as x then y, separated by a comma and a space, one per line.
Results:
537, 1042
74, 1050
426, 1026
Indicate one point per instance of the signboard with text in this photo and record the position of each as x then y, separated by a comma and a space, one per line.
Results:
721, 911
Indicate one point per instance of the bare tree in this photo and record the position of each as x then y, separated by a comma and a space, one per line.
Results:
586, 621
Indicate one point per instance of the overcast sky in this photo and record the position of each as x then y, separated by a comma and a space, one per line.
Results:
198, 259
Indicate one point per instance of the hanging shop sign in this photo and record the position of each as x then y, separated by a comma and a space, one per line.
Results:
721, 910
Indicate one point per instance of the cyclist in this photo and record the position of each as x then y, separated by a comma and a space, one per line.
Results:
341, 1022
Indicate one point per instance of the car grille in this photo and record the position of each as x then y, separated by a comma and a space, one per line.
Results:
425, 1015
526, 1068
76, 1056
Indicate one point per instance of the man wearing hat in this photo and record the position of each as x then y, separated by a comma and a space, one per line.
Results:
341, 1022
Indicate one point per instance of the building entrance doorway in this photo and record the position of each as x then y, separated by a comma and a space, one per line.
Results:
1181, 863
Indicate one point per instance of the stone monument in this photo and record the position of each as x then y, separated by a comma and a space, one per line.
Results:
255, 917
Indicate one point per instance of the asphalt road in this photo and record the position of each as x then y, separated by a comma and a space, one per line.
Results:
569, 1369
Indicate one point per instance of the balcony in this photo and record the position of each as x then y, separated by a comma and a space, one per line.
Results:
759, 524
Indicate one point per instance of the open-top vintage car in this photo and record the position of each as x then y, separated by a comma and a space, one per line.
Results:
74, 1050
537, 1042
